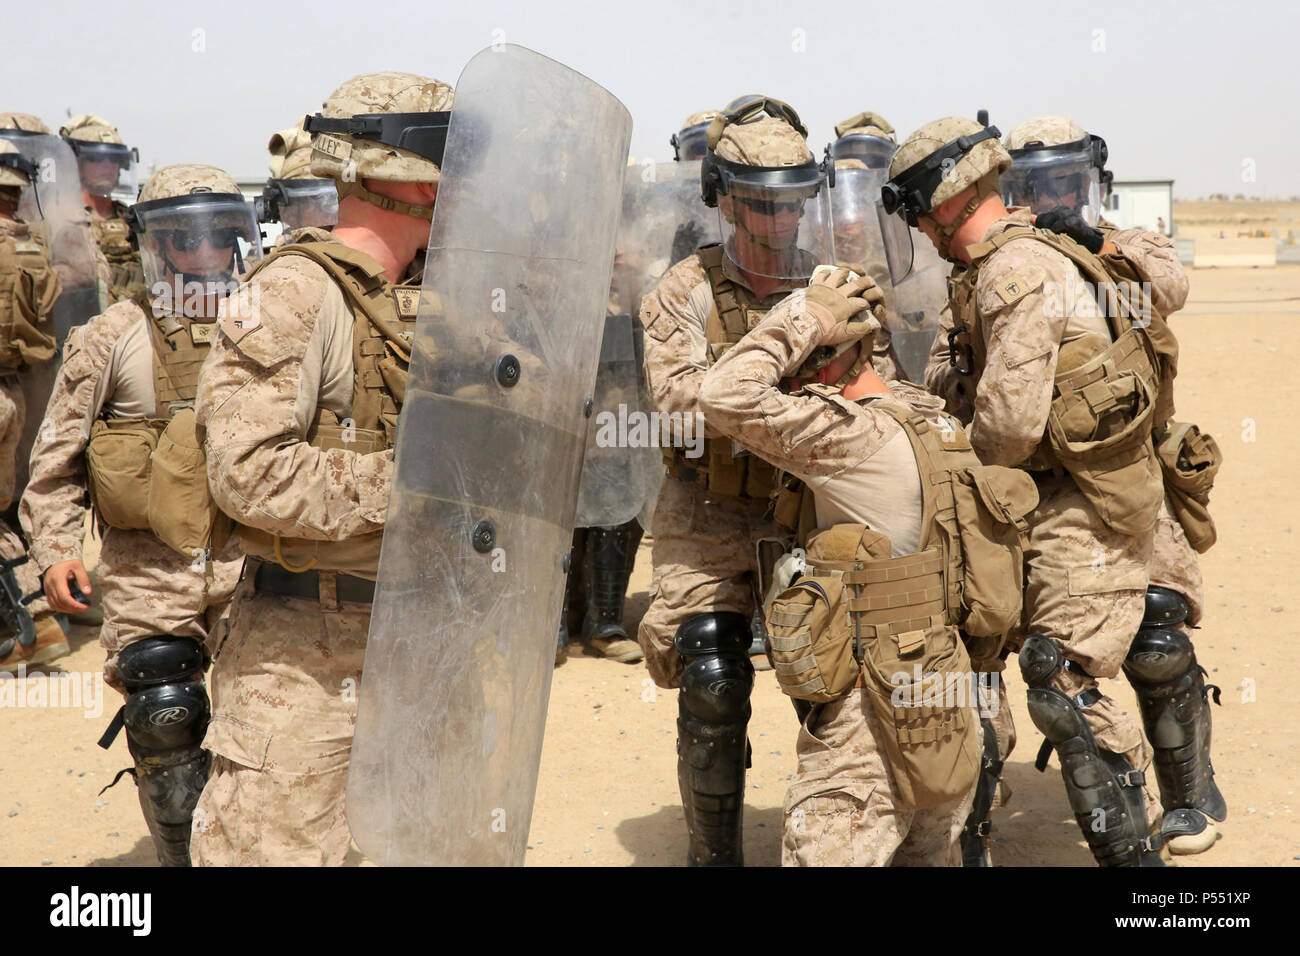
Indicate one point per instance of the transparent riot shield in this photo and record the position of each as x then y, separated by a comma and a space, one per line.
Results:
857, 223
53, 207
471, 577
622, 469
914, 305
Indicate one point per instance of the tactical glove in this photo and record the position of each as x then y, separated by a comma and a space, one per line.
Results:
1067, 222
844, 296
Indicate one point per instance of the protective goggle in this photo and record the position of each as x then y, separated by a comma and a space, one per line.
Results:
908, 194
424, 134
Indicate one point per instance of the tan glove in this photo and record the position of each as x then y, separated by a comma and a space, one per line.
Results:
842, 296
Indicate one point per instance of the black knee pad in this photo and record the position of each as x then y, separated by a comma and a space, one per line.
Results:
718, 677
1161, 652
166, 710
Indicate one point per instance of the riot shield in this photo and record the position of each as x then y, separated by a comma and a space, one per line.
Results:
856, 223
914, 305
621, 470
490, 443
56, 203
53, 206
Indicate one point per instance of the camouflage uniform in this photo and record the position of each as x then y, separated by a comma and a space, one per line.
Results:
285, 680
1085, 584
704, 555
148, 588
841, 808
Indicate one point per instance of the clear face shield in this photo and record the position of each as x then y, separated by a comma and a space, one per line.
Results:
857, 224
1043, 178
873, 151
194, 248
690, 143
299, 203
107, 169
775, 221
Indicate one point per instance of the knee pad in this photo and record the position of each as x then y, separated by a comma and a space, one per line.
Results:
1160, 652
718, 677
166, 710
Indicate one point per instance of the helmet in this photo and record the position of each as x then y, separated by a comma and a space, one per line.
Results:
12, 124
867, 137
385, 126
1055, 162
192, 225
292, 196
16, 170
692, 141
939, 161
769, 191
107, 165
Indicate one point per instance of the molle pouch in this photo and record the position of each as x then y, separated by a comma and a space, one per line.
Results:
1190, 460
118, 462
991, 505
182, 512
920, 689
1100, 427
812, 649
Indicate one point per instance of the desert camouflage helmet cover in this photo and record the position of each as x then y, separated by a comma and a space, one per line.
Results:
872, 124
1045, 131
985, 157
290, 151
15, 169
89, 128
337, 155
183, 180
25, 122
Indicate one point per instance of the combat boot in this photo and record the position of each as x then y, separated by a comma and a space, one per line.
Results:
50, 644
611, 552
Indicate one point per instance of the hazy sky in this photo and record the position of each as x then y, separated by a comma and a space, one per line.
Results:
1200, 92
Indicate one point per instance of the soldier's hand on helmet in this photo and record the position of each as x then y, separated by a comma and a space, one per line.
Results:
57, 591
1067, 222
846, 304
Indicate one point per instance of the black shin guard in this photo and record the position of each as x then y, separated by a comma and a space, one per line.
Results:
712, 750
1173, 699
165, 716
1104, 791
612, 552
974, 851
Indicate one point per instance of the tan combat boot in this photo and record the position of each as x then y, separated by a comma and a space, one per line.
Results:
51, 643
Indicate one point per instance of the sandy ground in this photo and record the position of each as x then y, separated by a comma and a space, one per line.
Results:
607, 793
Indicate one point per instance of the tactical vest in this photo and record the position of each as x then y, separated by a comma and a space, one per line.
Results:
1108, 397
120, 456
718, 469
113, 236
28, 288
382, 335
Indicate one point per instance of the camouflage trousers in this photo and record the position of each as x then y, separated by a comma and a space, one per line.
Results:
284, 690
841, 808
705, 559
1176, 565
13, 415
148, 589
1085, 588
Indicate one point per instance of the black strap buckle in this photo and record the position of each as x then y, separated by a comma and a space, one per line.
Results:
962, 349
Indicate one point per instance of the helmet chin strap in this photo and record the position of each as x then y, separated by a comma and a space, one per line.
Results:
355, 188
985, 186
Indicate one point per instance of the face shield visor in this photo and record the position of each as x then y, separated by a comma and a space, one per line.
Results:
873, 151
194, 247
854, 212
1044, 177
775, 221
690, 143
298, 203
107, 169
